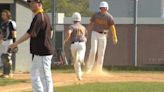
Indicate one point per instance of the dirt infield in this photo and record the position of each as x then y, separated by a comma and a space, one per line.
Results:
63, 79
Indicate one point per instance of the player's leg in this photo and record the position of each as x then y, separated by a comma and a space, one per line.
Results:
1, 62
45, 72
81, 55
75, 54
77, 67
36, 82
5, 59
1, 50
10, 72
102, 41
73, 49
82, 52
7, 66
92, 53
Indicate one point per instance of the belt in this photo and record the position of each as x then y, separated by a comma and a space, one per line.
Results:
41, 54
103, 32
76, 41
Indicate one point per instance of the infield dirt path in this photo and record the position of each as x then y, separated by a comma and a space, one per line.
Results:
63, 79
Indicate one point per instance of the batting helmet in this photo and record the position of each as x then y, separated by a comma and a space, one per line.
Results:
76, 16
103, 4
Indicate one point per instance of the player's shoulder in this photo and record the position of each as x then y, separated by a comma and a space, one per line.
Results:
71, 27
39, 16
109, 15
12, 23
96, 13
82, 26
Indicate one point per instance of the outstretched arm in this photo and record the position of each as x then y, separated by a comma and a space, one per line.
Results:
19, 41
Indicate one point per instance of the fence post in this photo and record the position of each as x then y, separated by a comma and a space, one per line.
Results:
135, 31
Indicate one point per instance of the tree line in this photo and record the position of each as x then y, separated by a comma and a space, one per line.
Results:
69, 6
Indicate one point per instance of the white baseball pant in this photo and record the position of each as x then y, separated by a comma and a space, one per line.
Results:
98, 45
78, 53
41, 74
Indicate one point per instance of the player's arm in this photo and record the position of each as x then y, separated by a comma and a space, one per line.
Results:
68, 34
19, 41
14, 36
90, 26
86, 33
114, 34
1, 36
12, 28
52, 33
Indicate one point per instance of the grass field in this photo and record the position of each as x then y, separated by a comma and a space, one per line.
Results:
4, 82
117, 79
114, 87
117, 86
69, 68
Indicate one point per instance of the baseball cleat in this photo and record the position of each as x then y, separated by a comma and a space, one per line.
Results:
4, 76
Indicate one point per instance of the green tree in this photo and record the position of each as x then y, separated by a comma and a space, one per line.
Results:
47, 5
69, 6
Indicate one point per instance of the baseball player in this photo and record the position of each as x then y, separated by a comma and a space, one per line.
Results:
7, 36
100, 24
40, 34
76, 35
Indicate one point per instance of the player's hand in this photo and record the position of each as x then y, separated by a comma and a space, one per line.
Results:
12, 46
115, 40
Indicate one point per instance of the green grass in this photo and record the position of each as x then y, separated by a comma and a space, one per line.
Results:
5, 82
63, 68
114, 87
70, 69
132, 68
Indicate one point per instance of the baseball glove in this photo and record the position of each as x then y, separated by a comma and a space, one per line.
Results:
14, 50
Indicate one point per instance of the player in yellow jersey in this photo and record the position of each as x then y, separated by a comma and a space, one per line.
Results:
100, 24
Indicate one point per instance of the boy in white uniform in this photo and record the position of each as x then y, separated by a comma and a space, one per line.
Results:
100, 24
76, 34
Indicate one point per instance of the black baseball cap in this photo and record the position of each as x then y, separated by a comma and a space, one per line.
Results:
38, 1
